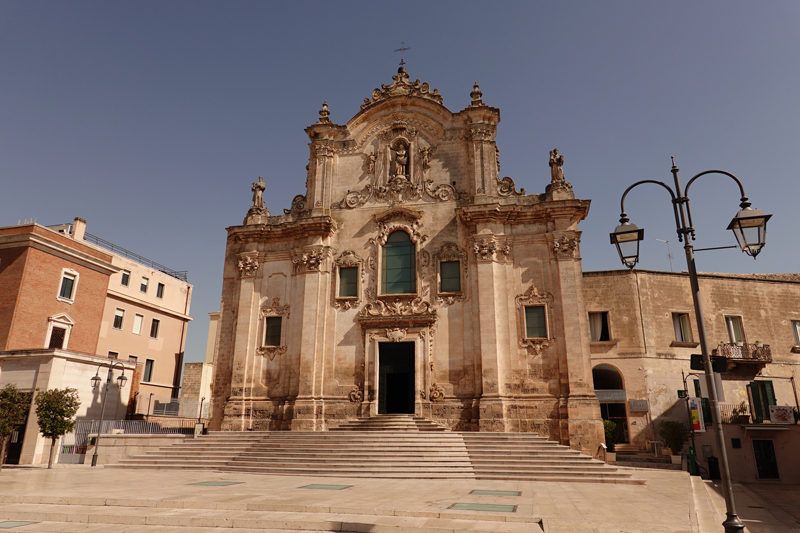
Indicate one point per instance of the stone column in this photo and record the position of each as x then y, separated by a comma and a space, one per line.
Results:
579, 408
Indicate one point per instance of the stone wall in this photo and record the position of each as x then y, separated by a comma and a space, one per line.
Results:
113, 448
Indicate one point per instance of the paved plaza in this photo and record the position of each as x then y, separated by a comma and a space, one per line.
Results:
80, 498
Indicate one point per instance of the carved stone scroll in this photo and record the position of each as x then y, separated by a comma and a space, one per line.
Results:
566, 247
396, 334
436, 393
248, 265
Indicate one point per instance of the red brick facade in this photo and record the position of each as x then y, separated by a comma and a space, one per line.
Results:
32, 260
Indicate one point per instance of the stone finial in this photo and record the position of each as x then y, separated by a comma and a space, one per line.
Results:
476, 96
324, 113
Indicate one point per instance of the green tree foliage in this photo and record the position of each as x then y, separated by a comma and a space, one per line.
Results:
55, 411
673, 433
14, 406
612, 433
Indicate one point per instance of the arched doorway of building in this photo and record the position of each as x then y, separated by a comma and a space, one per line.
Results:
610, 390
396, 377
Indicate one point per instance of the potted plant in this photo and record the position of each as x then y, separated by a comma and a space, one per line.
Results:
742, 413
612, 432
674, 433
759, 344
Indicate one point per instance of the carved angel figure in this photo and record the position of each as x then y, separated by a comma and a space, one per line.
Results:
426, 157
556, 162
370, 160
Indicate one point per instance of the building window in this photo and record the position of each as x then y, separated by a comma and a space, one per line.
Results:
734, 327
69, 283
398, 266
119, 316
143, 285
133, 359
598, 326
57, 336
535, 322
450, 276
680, 323
137, 324
126, 278
113, 355
148, 370
272, 331
348, 282
154, 328
796, 331
160, 290
762, 393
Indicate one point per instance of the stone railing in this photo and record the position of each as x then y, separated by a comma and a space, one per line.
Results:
744, 353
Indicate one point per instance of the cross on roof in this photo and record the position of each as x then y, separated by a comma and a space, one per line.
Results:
401, 50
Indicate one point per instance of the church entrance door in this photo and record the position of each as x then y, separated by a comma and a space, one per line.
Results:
396, 378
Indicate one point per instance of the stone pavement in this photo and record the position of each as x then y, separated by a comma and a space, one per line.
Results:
80, 498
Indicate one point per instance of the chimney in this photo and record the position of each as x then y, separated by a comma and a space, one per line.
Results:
78, 228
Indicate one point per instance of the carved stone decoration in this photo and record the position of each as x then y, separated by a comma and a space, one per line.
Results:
492, 249
248, 265
271, 351
532, 296
357, 394
422, 394
399, 218
396, 334
324, 114
480, 134
425, 156
349, 258
298, 205
398, 307
557, 181
566, 247
436, 393
400, 159
442, 192
309, 262
507, 187
273, 309
484, 250
451, 252
476, 95
401, 86
324, 149
424, 263
354, 199
369, 161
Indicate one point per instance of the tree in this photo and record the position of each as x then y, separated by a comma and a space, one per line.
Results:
55, 410
673, 433
14, 407
612, 433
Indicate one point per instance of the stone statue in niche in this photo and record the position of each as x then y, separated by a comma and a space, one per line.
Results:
556, 162
400, 160
258, 192
426, 157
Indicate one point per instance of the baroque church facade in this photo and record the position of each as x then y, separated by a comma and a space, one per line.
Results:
409, 278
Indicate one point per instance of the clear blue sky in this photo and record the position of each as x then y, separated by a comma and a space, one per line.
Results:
150, 119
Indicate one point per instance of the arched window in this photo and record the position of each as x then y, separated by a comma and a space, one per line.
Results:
398, 270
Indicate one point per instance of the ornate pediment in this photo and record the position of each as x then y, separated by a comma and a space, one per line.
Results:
399, 218
402, 86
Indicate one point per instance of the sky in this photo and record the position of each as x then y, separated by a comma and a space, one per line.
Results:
150, 119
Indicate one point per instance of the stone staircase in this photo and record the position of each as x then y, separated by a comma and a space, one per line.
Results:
391, 446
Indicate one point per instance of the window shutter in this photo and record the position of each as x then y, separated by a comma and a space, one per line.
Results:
755, 394
770, 394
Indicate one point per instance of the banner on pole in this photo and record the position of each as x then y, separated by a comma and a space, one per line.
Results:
696, 408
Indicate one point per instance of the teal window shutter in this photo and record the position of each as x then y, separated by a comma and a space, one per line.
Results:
272, 336
535, 325
348, 282
450, 276
398, 269
769, 394
755, 393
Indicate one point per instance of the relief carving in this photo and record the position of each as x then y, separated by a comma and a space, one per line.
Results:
507, 187
298, 205
492, 249
273, 309
357, 394
309, 262
401, 86
557, 181
349, 258
566, 247
532, 296
436, 393
271, 351
398, 307
248, 265
396, 334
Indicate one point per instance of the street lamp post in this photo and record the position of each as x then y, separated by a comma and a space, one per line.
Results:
95, 384
750, 228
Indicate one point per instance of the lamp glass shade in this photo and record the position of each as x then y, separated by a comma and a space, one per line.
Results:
626, 238
95, 381
749, 226
122, 381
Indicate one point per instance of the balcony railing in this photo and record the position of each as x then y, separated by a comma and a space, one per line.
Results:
744, 353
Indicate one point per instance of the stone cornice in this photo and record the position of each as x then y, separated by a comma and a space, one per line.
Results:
574, 210
323, 225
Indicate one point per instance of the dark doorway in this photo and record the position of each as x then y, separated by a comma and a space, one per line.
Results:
396, 378
14, 448
766, 462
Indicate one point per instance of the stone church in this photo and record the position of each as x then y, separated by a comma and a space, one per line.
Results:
409, 278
